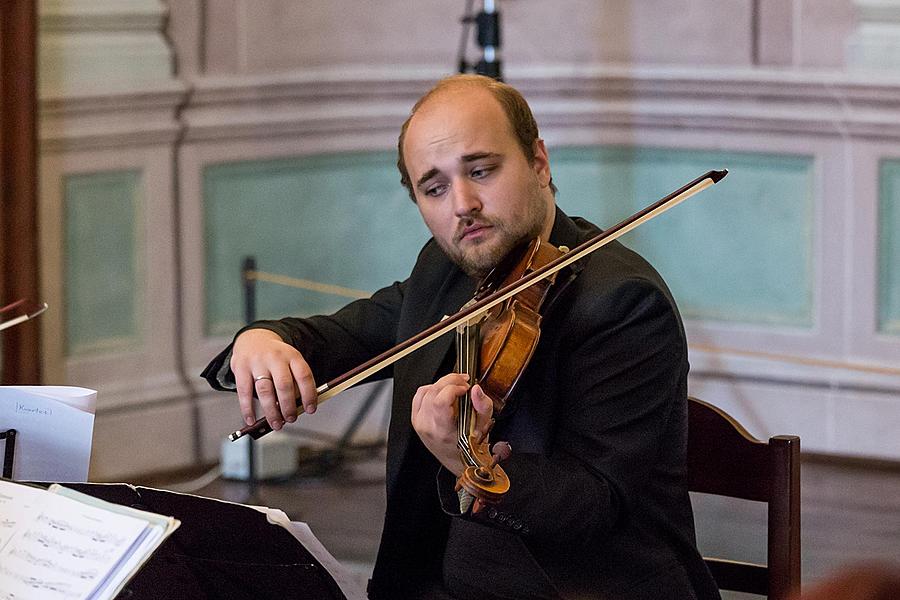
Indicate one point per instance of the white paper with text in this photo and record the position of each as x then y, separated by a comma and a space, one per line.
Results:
54, 429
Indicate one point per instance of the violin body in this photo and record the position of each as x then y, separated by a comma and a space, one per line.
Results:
510, 334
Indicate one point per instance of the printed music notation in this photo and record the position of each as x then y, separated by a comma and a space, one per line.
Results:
57, 589
92, 533
64, 550
48, 564
60, 544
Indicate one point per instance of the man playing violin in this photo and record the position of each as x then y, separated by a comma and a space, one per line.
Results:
598, 504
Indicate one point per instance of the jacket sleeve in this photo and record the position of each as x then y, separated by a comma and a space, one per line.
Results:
621, 368
331, 344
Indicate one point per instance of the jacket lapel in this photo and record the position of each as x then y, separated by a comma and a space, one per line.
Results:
565, 232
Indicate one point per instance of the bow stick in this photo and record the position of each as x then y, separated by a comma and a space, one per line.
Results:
387, 358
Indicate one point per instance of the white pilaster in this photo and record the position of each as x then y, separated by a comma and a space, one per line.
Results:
876, 42
97, 46
109, 102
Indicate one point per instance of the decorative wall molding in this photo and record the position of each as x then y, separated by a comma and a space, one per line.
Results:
106, 75
756, 100
710, 362
108, 103
135, 117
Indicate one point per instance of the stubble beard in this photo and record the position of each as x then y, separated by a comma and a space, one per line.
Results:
478, 257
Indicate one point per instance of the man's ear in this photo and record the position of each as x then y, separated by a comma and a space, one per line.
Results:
541, 163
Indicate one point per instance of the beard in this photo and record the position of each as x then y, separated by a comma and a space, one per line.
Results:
478, 257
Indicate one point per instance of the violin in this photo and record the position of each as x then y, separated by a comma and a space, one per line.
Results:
494, 349
509, 288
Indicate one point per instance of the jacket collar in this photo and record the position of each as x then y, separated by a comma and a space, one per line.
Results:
566, 232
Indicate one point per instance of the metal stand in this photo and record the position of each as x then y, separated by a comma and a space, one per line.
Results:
249, 282
9, 452
487, 35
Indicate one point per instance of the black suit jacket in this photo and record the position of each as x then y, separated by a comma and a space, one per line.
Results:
598, 505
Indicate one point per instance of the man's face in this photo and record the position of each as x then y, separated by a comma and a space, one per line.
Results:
473, 185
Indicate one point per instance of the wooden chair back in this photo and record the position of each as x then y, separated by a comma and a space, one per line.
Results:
724, 459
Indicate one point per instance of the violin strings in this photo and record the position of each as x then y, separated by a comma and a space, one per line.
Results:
464, 364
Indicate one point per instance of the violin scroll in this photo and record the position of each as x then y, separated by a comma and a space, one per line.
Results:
485, 480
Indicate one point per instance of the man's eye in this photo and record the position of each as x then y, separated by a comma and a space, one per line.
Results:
479, 172
435, 190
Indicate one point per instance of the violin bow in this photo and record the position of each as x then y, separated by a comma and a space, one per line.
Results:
21, 318
388, 357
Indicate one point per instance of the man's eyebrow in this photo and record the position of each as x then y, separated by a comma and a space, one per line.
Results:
479, 156
426, 176
466, 158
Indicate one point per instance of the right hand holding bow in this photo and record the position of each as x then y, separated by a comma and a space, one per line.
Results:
262, 361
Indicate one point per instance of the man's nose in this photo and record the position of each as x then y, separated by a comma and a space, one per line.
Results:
466, 199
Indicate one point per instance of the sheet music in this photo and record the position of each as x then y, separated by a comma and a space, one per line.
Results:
55, 426
63, 549
17, 505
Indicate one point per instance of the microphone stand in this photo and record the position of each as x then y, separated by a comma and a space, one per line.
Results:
487, 35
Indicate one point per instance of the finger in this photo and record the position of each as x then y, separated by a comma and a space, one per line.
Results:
455, 379
484, 411
449, 387
305, 386
418, 399
285, 391
417, 403
445, 397
268, 400
482, 403
435, 407
243, 380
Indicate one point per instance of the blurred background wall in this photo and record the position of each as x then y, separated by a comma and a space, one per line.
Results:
176, 138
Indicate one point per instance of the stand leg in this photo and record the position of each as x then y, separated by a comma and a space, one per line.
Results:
9, 453
248, 277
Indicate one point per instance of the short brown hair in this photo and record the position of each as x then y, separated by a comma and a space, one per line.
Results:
514, 106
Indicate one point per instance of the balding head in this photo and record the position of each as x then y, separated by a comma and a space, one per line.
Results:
518, 115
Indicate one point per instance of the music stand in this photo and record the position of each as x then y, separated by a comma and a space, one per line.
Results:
221, 551
9, 453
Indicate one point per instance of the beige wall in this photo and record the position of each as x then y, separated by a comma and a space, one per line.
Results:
169, 88
244, 38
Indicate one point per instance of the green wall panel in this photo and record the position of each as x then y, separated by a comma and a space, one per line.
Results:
102, 269
740, 251
889, 249
335, 219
